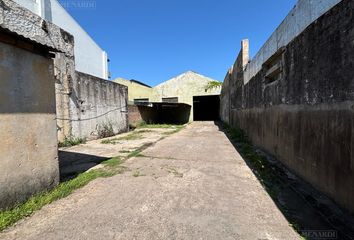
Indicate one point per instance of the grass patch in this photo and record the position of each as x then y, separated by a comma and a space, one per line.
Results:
144, 128
171, 132
145, 131
124, 151
135, 125
130, 137
71, 141
113, 141
35, 203
113, 162
110, 168
135, 153
160, 126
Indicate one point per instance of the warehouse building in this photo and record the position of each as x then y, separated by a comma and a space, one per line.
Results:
185, 98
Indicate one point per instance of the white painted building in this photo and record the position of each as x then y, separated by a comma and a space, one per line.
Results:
89, 57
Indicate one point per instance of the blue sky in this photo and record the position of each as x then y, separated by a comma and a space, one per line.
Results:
155, 40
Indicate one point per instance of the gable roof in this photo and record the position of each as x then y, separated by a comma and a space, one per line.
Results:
188, 75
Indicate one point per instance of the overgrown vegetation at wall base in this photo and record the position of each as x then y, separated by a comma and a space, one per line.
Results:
35, 203
145, 125
71, 141
171, 132
144, 128
261, 166
105, 130
266, 173
110, 168
132, 136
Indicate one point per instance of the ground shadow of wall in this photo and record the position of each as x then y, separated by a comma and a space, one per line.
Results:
72, 164
302, 205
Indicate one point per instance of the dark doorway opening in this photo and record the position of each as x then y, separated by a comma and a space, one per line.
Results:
206, 108
169, 113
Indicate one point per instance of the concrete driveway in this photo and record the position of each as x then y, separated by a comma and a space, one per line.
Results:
191, 185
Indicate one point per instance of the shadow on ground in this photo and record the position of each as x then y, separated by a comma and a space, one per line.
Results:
72, 164
311, 213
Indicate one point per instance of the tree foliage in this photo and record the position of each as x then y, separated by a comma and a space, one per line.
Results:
213, 85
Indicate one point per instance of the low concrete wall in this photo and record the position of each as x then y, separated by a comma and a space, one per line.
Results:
28, 159
96, 103
305, 117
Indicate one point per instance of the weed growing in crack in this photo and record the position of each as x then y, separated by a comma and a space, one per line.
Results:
105, 130
130, 137
124, 151
71, 141
138, 174
175, 172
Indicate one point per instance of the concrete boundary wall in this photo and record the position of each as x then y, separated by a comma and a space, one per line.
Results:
299, 106
301, 16
96, 105
29, 147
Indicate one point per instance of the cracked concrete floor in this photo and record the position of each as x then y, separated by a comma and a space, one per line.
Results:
191, 185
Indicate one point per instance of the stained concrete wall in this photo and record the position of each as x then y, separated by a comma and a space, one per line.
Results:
28, 149
300, 17
96, 103
306, 118
64, 71
71, 117
225, 98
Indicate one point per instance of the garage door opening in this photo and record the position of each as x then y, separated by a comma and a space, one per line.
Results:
161, 113
206, 108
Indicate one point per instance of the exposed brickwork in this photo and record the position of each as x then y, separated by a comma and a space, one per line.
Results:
134, 115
